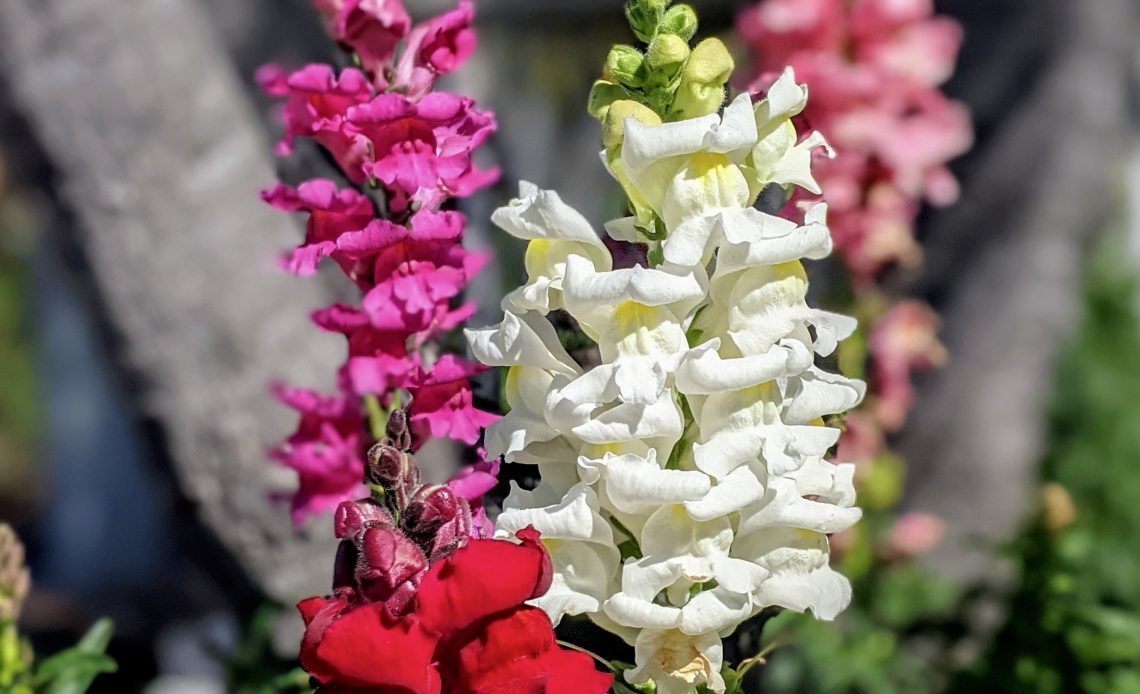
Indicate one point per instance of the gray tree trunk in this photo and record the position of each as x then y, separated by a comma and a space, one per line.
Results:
158, 157
1003, 266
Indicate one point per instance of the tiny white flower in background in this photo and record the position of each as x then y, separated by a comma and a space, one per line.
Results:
697, 444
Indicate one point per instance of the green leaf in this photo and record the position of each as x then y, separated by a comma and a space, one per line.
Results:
73, 670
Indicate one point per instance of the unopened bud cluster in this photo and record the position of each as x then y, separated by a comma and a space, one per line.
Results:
389, 539
667, 77
14, 578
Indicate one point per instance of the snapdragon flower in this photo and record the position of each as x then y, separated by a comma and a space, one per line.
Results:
405, 150
684, 480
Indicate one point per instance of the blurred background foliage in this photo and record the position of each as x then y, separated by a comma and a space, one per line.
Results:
18, 402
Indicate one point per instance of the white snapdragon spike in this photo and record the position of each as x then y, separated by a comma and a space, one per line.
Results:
697, 443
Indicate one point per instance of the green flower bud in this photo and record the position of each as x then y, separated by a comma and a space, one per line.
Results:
645, 17
701, 91
613, 129
680, 21
602, 94
625, 64
667, 55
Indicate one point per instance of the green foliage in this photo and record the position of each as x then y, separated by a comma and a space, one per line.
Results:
1074, 621
68, 672
882, 644
253, 668
17, 397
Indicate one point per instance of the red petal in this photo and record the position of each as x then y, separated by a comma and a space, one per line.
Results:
516, 654
365, 647
485, 577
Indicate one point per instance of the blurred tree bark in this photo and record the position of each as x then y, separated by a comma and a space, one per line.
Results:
154, 153
1049, 84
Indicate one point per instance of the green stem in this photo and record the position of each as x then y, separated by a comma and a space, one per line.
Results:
377, 422
609, 666
625, 531
746, 665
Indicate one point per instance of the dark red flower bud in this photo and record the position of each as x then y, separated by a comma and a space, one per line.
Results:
430, 507
397, 430
387, 561
354, 517
438, 520
451, 535
393, 471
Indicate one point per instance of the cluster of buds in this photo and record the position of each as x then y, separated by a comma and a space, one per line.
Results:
389, 539
15, 654
406, 150
664, 81
14, 576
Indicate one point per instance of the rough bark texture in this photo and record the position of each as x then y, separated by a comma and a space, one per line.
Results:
1003, 266
158, 157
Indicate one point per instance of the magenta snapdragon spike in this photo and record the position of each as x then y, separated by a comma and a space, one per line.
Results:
405, 151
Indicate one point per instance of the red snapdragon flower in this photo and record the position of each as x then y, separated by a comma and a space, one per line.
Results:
469, 632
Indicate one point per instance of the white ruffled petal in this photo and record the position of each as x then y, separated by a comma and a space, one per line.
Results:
760, 239
704, 372
738, 489
527, 339
815, 393
624, 422
541, 214
714, 611
783, 505
636, 484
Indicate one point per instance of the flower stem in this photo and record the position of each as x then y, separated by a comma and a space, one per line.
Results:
609, 666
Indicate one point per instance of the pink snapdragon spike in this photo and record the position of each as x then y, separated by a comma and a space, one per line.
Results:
905, 339
405, 151
873, 68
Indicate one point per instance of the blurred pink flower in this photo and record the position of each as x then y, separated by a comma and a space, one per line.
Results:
904, 340
873, 68
915, 534
861, 440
